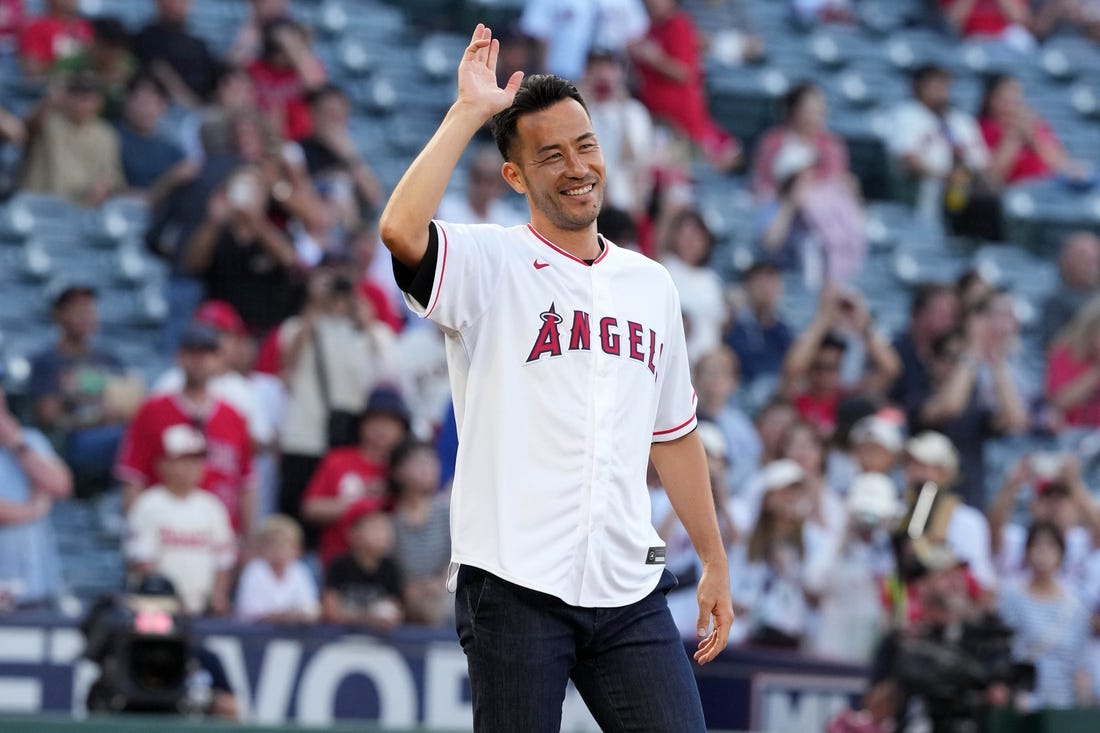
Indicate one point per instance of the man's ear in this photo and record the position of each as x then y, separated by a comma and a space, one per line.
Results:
513, 177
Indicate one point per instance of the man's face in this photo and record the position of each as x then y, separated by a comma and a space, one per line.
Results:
825, 371
557, 163
174, 11
331, 112
935, 92
939, 315
765, 290
144, 107
78, 318
918, 473
199, 366
82, 106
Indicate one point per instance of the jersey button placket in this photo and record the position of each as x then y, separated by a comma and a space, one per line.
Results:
604, 394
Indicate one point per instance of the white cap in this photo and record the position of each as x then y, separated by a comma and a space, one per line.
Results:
876, 495
714, 443
880, 431
781, 474
934, 449
183, 440
793, 157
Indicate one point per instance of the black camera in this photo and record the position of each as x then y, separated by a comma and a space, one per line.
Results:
142, 645
341, 285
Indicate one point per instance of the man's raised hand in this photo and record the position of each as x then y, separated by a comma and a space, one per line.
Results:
477, 75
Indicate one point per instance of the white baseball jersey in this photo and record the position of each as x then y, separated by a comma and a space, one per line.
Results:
563, 374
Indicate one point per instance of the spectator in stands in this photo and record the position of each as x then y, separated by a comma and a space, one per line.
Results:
804, 126
758, 335
339, 172
284, 74
931, 457
877, 442
482, 202
58, 33
177, 530
766, 575
1073, 370
248, 43
715, 377
955, 406
933, 312
32, 478
351, 474
847, 577
825, 515
972, 290
276, 587
999, 309
108, 58
812, 368
79, 391
1022, 145
150, 162
227, 473
1079, 278
1058, 495
941, 148
625, 131
333, 354
670, 69
72, 153
1051, 624
362, 243
772, 423
421, 518
363, 587
565, 31
244, 258
179, 59
230, 381
685, 251
1006, 20
12, 20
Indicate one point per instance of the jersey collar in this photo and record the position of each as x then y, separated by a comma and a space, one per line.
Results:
562, 252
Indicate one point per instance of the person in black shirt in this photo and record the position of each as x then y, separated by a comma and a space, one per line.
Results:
362, 588
180, 60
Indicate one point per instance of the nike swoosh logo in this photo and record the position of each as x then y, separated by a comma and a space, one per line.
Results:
540, 265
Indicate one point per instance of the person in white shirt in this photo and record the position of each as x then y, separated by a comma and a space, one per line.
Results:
276, 587
182, 532
928, 138
626, 133
932, 458
566, 30
685, 247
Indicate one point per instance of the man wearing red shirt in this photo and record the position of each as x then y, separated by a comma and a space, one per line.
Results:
349, 475
228, 470
286, 70
57, 34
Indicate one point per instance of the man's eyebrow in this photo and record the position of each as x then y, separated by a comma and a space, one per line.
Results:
557, 146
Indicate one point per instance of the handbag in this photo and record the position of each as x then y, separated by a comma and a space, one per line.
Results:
341, 426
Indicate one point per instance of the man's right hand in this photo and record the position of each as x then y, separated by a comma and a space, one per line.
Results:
477, 75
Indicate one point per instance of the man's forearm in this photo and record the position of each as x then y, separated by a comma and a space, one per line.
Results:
415, 199
682, 466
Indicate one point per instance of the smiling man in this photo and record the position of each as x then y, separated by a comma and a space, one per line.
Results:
569, 370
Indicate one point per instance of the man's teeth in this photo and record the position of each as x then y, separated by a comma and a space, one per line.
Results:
579, 191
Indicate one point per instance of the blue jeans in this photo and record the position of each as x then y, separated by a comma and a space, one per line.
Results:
522, 647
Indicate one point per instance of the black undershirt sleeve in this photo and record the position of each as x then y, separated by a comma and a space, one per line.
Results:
417, 281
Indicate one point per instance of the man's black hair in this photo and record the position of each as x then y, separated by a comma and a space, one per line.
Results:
148, 78
110, 31
328, 89
535, 94
924, 294
929, 71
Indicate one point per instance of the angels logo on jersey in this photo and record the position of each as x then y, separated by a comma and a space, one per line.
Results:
617, 339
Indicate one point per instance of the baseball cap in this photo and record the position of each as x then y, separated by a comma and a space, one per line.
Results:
794, 157
220, 316
874, 495
199, 337
934, 449
183, 440
781, 474
880, 431
714, 443
387, 401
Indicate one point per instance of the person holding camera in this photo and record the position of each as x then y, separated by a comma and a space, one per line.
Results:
812, 377
333, 354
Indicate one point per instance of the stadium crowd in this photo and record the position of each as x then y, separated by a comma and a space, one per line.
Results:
293, 466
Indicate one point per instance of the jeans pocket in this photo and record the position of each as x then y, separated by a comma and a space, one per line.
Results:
470, 591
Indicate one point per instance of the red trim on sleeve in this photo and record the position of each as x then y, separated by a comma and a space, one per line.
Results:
442, 272
681, 426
